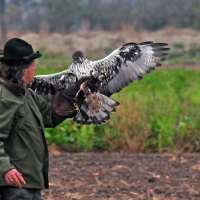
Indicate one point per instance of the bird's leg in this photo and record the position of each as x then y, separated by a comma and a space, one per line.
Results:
83, 88
78, 93
91, 100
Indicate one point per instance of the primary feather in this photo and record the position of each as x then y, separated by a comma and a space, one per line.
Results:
120, 68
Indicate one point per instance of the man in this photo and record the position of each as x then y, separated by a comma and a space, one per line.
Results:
24, 160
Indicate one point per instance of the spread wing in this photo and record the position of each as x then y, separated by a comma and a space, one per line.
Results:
124, 65
48, 85
128, 63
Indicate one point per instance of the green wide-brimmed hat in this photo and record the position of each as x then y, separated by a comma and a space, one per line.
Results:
18, 49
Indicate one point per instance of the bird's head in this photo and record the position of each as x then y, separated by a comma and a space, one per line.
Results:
78, 57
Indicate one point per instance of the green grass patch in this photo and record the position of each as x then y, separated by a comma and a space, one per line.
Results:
49, 64
159, 113
166, 103
178, 54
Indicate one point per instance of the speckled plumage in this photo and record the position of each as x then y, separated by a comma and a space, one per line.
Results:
120, 68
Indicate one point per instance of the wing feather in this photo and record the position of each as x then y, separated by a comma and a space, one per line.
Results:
48, 85
128, 63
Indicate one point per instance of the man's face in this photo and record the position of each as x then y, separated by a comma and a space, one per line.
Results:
29, 74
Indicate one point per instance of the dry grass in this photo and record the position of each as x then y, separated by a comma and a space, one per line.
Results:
100, 43
133, 139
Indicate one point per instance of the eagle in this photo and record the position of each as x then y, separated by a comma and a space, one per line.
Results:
109, 75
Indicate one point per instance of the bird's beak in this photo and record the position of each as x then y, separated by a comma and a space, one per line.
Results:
80, 59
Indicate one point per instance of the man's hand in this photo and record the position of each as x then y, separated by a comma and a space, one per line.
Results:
13, 177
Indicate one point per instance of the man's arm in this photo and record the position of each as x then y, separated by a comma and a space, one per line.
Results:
65, 104
6, 119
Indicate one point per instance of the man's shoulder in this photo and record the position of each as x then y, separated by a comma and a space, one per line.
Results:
8, 98
31, 93
8, 95
3, 89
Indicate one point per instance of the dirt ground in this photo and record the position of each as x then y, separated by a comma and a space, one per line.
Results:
100, 176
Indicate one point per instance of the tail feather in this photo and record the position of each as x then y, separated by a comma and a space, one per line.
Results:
108, 100
98, 115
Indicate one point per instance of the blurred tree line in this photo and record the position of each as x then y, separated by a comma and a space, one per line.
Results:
66, 15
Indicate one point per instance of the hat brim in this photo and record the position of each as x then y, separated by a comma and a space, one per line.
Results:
33, 56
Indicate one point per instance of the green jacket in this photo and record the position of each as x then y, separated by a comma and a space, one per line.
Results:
25, 148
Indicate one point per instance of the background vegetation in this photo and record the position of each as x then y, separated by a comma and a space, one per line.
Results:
159, 113
64, 16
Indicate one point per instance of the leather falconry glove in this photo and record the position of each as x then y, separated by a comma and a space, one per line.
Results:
67, 102
92, 84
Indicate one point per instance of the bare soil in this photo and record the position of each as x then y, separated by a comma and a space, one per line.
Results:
100, 176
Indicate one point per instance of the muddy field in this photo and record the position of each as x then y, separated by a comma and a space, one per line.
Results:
96, 176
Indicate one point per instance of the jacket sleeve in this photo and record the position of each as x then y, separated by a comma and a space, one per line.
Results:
50, 119
6, 119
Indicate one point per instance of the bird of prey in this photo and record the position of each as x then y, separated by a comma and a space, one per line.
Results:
110, 75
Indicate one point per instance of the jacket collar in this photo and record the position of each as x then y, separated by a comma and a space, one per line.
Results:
11, 86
